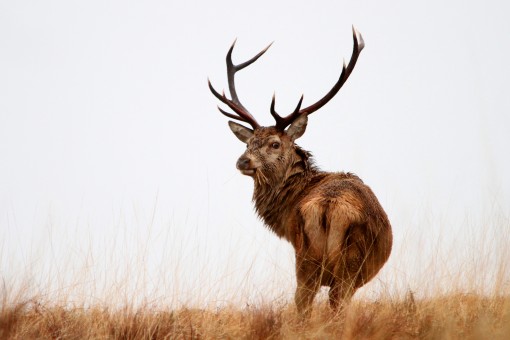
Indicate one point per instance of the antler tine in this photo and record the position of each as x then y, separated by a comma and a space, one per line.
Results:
275, 115
243, 115
282, 123
230, 115
346, 72
232, 69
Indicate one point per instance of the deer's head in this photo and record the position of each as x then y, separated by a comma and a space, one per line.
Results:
271, 153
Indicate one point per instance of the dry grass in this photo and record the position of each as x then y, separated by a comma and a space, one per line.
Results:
445, 317
464, 294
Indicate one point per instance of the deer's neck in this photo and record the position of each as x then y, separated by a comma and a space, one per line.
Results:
276, 202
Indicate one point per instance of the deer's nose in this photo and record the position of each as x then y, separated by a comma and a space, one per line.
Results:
243, 163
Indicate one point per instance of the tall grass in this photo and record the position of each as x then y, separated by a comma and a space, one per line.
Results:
156, 285
441, 317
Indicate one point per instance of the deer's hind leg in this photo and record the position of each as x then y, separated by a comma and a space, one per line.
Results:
308, 283
349, 270
309, 255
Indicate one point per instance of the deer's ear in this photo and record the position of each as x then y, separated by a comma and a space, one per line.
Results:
242, 132
298, 127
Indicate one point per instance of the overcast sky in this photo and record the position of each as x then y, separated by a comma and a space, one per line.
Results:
116, 168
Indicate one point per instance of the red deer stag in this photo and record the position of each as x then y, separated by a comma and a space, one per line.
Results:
340, 232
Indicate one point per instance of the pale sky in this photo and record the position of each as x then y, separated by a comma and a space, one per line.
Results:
117, 169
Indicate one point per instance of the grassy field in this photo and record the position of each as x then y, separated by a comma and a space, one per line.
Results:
424, 292
456, 316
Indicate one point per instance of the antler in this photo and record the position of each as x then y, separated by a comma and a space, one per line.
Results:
242, 113
283, 122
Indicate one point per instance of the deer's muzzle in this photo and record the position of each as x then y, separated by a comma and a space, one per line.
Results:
243, 165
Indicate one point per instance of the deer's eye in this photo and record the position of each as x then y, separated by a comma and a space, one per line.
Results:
275, 145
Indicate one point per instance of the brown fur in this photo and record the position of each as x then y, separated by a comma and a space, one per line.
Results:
341, 234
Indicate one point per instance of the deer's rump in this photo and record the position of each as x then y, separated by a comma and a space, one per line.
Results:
345, 229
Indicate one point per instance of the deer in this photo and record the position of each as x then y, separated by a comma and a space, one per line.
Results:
340, 233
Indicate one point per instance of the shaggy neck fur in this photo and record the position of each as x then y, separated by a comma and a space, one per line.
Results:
274, 198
